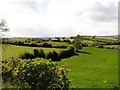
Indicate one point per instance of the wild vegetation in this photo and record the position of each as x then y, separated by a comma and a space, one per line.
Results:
35, 74
86, 57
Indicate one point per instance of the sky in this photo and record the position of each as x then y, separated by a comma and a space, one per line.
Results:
46, 18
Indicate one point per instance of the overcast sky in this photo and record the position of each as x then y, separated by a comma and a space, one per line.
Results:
60, 17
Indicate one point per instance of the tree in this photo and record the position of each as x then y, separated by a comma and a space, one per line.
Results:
77, 43
3, 27
3, 30
94, 37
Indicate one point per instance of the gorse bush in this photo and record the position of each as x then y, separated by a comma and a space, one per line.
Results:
36, 74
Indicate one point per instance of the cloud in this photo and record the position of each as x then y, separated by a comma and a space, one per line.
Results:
60, 17
100, 12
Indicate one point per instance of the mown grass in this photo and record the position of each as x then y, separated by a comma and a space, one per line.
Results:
15, 51
93, 68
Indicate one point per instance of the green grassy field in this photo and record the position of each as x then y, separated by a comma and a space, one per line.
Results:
98, 68
112, 46
91, 68
15, 51
60, 44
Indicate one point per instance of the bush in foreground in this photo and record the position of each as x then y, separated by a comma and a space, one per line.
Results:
36, 74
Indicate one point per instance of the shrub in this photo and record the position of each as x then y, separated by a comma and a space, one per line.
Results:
35, 74
47, 45
20, 43
67, 53
71, 51
49, 55
32, 56
41, 53
36, 53
26, 55
67, 41
33, 44
54, 56
100, 46
63, 54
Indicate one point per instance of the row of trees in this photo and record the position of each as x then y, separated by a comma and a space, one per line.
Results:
33, 44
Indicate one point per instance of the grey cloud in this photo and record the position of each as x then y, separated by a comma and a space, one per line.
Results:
79, 13
100, 12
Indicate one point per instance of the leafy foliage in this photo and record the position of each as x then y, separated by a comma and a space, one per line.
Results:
54, 56
42, 53
26, 55
36, 52
47, 45
38, 73
67, 53
77, 43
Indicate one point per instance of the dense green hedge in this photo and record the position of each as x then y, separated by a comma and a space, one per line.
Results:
35, 74
35, 44
53, 55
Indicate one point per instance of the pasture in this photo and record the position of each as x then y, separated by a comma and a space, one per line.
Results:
91, 68
15, 51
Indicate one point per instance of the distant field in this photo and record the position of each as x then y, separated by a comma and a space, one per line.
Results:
15, 51
115, 46
97, 68
60, 44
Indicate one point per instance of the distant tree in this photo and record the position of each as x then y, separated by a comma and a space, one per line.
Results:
94, 36
77, 43
72, 37
63, 37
